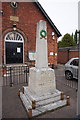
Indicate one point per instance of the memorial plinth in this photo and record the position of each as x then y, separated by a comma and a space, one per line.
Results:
44, 80
41, 94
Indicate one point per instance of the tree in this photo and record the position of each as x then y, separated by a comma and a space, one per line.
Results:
72, 36
59, 44
75, 36
66, 41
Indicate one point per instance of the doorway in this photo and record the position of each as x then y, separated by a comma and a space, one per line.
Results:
14, 48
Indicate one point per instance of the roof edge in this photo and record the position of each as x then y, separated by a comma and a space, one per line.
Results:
48, 18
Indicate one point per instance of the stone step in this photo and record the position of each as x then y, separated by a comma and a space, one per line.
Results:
42, 101
49, 107
28, 98
33, 96
29, 93
48, 101
25, 101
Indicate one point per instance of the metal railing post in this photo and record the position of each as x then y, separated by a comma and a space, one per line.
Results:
26, 75
10, 77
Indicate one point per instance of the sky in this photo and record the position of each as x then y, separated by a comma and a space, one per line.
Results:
63, 13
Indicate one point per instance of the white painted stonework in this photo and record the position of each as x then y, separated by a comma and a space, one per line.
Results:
42, 85
41, 46
44, 80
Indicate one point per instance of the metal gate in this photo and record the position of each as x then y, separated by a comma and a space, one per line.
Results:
72, 83
13, 75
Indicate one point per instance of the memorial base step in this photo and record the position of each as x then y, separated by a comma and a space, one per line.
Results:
39, 104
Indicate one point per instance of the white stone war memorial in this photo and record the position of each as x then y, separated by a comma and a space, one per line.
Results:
41, 94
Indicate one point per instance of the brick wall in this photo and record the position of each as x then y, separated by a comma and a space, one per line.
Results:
74, 54
29, 14
65, 55
62, 56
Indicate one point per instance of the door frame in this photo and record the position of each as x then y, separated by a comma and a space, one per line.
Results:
12, 41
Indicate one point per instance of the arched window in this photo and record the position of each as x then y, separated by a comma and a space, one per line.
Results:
14, 37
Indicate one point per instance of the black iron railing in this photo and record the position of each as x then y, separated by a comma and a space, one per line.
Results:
15, 75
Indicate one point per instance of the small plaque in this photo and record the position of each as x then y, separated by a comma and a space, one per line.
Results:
14, 18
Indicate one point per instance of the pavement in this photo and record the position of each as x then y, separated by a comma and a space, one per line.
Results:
12, 106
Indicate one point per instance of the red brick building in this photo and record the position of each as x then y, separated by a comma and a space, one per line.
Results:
19, 21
